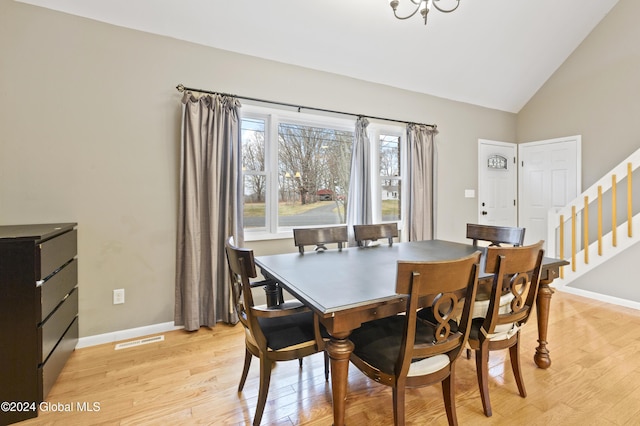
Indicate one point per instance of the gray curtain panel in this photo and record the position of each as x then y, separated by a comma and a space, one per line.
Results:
420, 176
359, 209
210, 209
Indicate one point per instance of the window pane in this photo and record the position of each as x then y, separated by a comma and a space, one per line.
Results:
254, 201
253, 144
389, 155
390, 178
314, 169
390, 196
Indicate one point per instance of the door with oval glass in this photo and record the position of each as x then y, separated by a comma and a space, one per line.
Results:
497, 183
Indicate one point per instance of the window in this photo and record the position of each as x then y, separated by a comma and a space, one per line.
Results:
254, 172
314, 166
296, 170
390, 178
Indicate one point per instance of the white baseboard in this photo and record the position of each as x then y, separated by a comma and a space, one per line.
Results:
597, 296
132, 333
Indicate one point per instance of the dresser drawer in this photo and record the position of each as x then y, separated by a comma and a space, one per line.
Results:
54, 326
56, 252
54, 289
51, 369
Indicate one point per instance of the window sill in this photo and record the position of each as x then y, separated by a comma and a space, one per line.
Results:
267, 236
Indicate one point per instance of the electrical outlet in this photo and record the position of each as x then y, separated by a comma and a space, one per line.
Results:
118, 296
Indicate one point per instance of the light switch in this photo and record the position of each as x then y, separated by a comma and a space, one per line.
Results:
469, 193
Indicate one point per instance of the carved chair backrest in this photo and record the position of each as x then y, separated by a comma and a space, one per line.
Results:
320, 237
517, 271
364, 233
241, 268
446, 285
496, 235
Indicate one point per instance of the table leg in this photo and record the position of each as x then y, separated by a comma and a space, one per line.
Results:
272, 294
339, 349
543, 304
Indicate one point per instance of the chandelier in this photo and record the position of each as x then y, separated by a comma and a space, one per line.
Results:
423, 6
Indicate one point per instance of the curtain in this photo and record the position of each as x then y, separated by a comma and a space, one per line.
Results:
359, 210
421, 175
210, 209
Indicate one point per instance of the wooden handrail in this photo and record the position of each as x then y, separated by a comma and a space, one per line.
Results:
614, 211
585, 223
629, 200
599, 220
562, 244
573, 238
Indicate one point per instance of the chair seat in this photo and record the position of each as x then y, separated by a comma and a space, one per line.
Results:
501, 332
378, 344
288, 331
480, 307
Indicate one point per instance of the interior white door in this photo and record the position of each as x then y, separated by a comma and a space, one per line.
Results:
497, 183
550, 177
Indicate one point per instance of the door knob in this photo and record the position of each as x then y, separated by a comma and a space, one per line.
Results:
484, 213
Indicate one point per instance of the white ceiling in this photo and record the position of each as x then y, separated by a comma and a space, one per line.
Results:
493, 53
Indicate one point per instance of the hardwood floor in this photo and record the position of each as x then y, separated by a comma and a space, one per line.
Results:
192, 378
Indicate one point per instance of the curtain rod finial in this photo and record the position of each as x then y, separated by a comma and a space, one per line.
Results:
180, 88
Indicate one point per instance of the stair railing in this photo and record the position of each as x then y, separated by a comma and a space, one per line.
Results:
600, 221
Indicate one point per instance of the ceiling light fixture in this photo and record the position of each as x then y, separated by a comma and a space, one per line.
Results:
423, 6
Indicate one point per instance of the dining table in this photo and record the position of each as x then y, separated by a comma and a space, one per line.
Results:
346, 288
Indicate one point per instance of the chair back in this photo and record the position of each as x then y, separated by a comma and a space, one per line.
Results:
319, 237
516, 274
446, 285
364, 233
496, 235
242, 267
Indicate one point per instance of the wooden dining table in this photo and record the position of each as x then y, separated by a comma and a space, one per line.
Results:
349, 287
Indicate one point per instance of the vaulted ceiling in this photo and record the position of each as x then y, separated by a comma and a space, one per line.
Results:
492, 53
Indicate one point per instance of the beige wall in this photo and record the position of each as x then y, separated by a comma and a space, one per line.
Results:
596, 93
89, 132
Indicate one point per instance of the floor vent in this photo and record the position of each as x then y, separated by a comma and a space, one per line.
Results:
139, 342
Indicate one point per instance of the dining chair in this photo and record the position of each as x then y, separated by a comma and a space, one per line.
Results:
286, 332
273, 294
403, 351
320, 237
364, 233
495, 235
516, 276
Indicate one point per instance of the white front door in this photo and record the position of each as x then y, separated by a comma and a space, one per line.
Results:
497, 183
550, 177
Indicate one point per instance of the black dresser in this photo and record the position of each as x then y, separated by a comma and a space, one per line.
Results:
38, 313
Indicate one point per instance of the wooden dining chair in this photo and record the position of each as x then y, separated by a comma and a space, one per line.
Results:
273, 294
364, 233
495, 235
516, 276
404, 351
320, 237
286, 332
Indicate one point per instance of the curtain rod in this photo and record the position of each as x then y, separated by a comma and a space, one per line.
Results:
181, 88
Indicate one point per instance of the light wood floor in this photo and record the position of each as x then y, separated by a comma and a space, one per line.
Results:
192, 378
